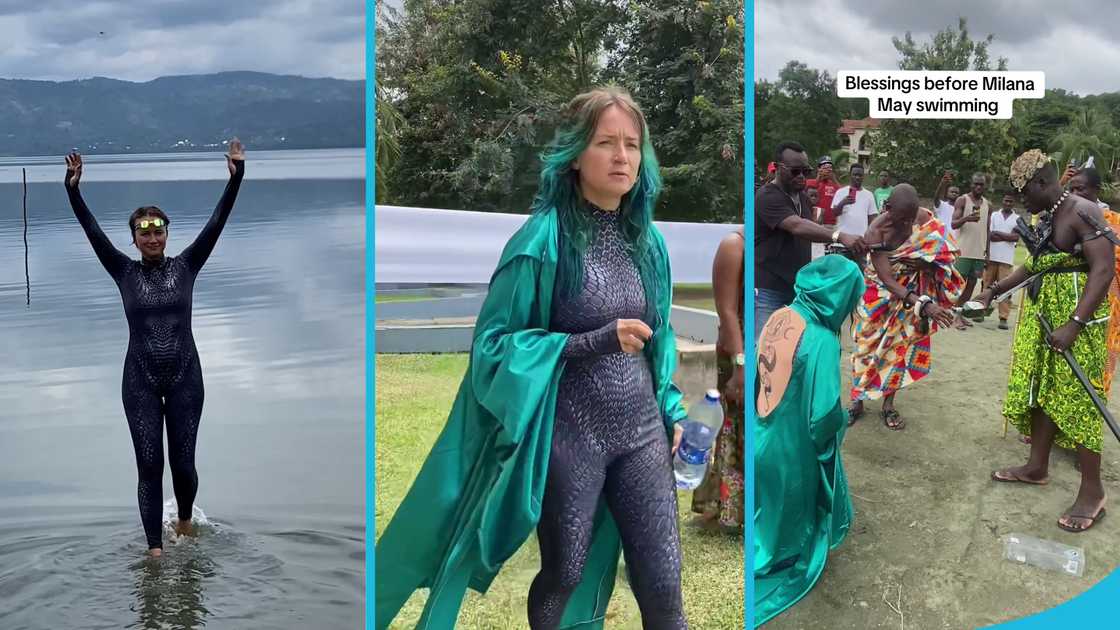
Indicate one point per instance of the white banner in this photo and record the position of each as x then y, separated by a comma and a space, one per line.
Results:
425, 245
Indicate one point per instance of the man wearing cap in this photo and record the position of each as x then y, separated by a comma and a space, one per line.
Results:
783, 231
1045, 398
826, 185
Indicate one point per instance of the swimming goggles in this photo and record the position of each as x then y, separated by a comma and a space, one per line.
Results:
146, 223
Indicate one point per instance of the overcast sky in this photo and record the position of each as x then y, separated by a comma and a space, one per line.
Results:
140, 40
1075, 43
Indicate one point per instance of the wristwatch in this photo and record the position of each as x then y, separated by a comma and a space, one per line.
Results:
836, 236
740, 360
1080, 322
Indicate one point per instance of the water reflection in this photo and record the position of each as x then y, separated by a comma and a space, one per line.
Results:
170, 590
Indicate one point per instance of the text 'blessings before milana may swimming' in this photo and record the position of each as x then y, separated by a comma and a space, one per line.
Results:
994, 83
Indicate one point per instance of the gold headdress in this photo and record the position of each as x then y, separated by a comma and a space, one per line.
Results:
1025, 166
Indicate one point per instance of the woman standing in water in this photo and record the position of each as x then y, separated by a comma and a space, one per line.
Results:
564, 417
162, 373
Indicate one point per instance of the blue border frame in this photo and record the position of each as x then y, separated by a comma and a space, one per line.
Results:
748, 308
371, 315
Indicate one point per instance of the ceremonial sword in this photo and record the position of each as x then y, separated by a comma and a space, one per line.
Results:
1084, 380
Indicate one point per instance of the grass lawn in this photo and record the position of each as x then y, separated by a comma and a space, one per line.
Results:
694, 296
379, 298
414, 394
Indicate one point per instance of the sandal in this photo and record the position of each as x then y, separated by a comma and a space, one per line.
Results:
892, 420
855, 412
1004, 476
1093, 520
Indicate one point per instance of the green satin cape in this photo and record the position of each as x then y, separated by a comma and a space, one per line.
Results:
478, 495
802, 507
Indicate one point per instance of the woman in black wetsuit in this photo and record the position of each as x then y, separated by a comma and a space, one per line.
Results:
162, 373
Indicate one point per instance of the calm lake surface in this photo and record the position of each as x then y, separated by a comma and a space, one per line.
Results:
279, 324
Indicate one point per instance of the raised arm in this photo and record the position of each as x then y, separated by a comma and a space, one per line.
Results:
112, 259
197, 252
942, 189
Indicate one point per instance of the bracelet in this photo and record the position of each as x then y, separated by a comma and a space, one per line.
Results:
994, 288
1080, 322
920, 305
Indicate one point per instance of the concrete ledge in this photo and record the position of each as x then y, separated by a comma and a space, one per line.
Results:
696, 362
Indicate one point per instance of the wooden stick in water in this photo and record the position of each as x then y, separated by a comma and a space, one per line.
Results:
26, 268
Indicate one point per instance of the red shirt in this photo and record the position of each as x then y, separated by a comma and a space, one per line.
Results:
825, 191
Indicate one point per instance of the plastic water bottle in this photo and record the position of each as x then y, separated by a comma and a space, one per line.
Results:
1045, 554
700, 430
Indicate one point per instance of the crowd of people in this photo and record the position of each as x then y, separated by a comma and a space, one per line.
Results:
897, 274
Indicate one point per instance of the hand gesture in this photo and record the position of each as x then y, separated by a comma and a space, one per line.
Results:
985, 297
632, 335
947, 177
1068, 175
236, 153
854, 243
940, 315
73, 169
1062, 338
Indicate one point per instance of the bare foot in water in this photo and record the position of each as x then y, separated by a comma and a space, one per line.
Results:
184, 528
155, 552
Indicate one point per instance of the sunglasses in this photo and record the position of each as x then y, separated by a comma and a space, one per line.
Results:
798, 170
147, 223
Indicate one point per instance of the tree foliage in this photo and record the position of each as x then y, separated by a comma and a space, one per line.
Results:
479, 84
921, 150
1065, 124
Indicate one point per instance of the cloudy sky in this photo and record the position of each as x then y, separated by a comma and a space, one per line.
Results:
139, 40
1075, 44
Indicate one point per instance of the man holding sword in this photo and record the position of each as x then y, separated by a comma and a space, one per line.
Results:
1056, 381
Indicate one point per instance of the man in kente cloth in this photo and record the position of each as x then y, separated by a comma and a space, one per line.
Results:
1045, 399
802, 507
913, 282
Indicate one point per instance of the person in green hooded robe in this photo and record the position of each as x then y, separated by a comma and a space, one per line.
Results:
564, 418
802, 507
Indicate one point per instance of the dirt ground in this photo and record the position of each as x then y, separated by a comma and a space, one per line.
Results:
928, 523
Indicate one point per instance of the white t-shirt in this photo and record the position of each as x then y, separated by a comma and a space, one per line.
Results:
944, 214
854, 219
1002, 251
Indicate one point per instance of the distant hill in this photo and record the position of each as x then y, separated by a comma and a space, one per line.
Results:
181, 113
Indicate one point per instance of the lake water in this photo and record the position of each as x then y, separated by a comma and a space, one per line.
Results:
279, 324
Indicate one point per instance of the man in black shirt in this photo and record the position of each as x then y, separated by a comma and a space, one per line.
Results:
783, 232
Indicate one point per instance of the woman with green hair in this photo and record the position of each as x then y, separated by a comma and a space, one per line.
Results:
564, 418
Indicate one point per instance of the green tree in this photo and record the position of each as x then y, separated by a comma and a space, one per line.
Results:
684, 64
1089, 132
478, 86
920, 150
801, 106
388, 150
